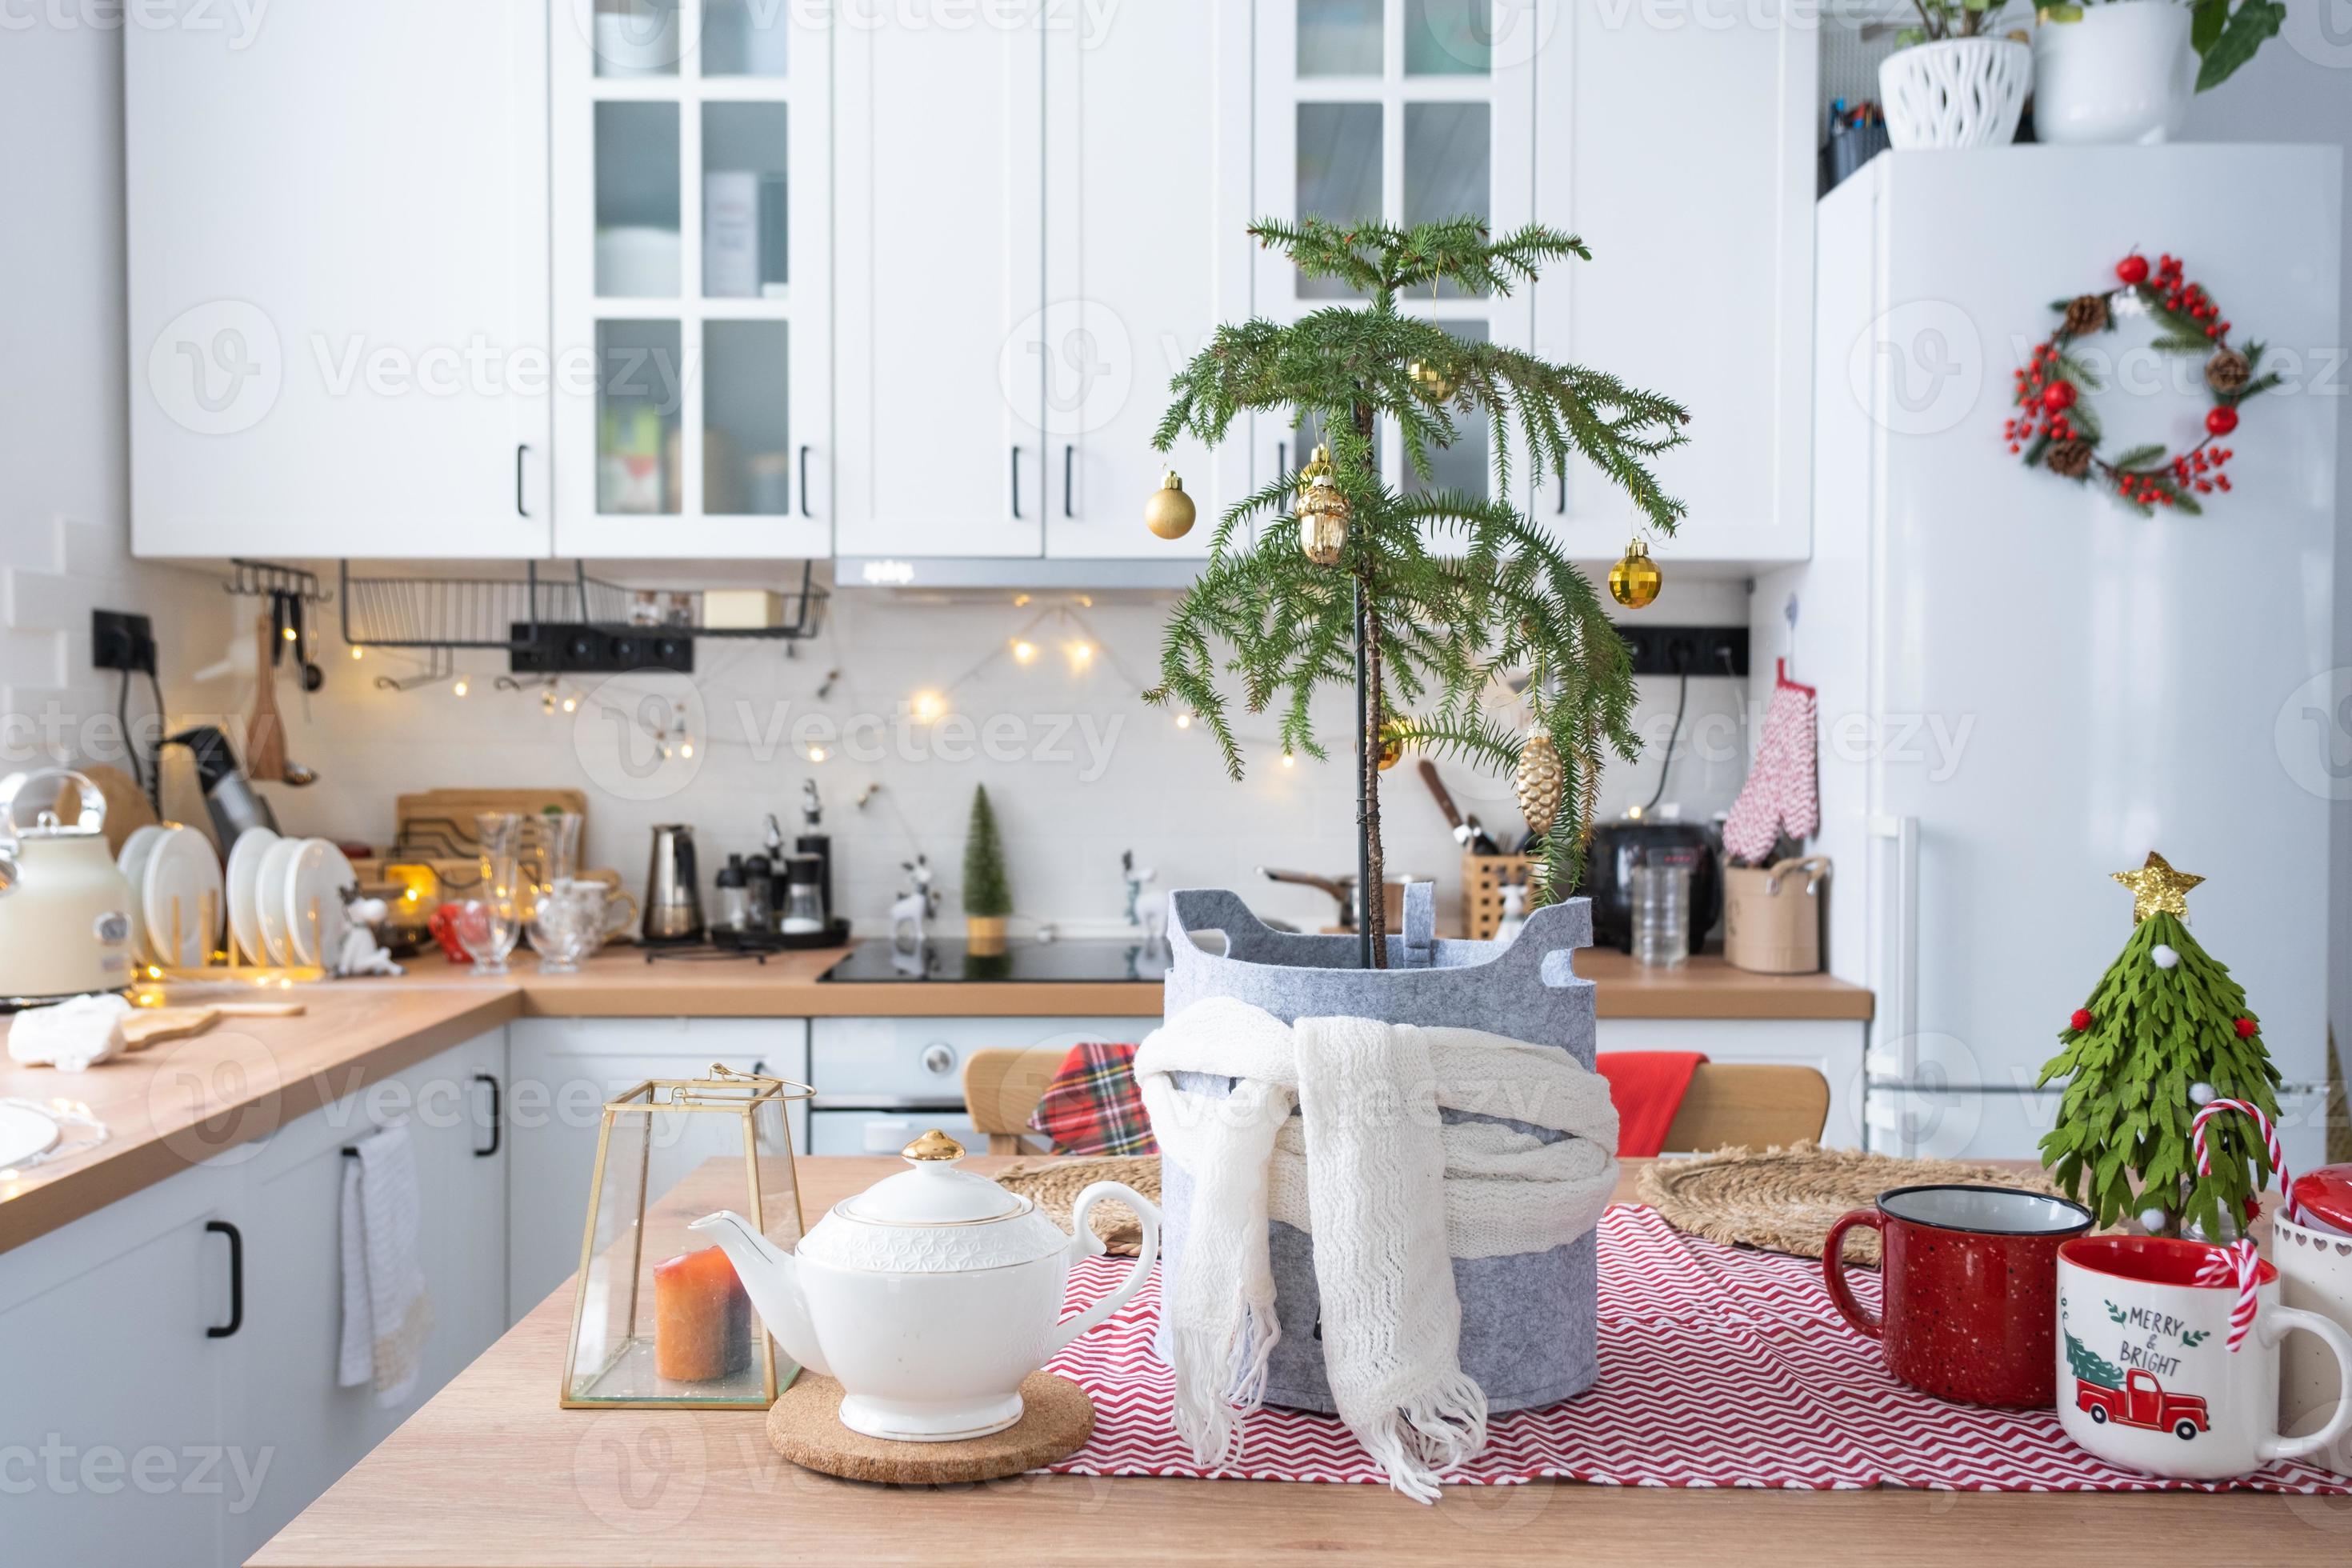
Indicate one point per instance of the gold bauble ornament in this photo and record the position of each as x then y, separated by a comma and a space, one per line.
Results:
1170, 512
1635, 580
1323, 514
1391, 747
1538, 781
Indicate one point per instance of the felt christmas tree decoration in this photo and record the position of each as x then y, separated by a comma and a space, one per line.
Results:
2165, 1033
986, 891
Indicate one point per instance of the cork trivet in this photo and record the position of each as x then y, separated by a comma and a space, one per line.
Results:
804, 1427
1055, 1185
1785, 1200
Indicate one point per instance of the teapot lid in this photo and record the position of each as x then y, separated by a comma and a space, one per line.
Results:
933, 1191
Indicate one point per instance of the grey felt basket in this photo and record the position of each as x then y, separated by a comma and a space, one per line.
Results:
1527, 1321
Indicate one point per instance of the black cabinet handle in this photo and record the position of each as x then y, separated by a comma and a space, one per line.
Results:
1562, 507
236, 1278
520, 448
498, 1121
1281, 460
1068, 454
805, 505
1016, 481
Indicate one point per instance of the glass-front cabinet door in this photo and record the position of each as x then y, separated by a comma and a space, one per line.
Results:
1403, 111
690, 158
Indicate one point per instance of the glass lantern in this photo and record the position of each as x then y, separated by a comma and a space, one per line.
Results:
659, 1320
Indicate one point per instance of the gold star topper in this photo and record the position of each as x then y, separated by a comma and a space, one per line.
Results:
2157, 888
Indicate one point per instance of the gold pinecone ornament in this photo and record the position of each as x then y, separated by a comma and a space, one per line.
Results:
1538, 781
1635, 580
1322, 511
1170, 511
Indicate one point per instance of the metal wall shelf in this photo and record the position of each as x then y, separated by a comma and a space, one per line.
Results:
505, 613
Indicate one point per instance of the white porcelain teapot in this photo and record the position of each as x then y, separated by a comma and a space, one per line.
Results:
930, 1295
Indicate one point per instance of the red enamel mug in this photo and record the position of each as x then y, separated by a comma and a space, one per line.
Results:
1970, 1287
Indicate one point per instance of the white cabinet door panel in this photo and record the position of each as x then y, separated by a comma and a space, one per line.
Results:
1700, 219
337, 238
939, 284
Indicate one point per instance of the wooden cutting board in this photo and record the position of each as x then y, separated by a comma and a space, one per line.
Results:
126, 803
151, 1025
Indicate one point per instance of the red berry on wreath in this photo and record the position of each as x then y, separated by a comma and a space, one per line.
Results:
2222, 420
2061, 394
2132, 269
2081, 1018
2245, 1027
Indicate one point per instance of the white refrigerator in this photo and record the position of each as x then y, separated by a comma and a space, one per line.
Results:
2024, 685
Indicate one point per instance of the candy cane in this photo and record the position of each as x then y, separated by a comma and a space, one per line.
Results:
2270, 1139
2235, 1264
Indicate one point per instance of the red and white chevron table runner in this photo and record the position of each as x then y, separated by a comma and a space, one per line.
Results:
1718, 1368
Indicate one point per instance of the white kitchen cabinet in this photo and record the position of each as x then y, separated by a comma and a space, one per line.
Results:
337, 309
1830, 1047
1683, 154
562, 1072
287, 1398
1147, 142
1402, 111
941, 288
113, 1442
690, 165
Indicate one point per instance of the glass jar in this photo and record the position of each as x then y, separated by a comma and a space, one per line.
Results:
1661, 888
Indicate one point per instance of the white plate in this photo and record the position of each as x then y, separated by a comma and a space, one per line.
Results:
270, 899
245, 858
133, 863
25, 1132
314, 902
183, 880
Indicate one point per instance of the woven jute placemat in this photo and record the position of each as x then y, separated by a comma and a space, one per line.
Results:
804, 1427
1054, 1186
1785, 1200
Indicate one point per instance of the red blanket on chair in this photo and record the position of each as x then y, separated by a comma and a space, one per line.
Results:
1648, 1089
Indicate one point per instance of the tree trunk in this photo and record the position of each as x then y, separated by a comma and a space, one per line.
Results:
1371, 874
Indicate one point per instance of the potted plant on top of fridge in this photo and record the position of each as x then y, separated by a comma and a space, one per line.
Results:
1956, 81
2123, 70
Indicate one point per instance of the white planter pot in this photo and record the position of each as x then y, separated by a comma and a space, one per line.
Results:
1954, 92
2124, 73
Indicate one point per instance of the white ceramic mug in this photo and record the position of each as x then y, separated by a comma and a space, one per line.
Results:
2147, 1379
2314, 1265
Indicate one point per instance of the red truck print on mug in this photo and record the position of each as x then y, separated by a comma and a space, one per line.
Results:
2140, 1402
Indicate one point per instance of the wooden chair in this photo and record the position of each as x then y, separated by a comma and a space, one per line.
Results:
1003, 1086
1750, 1105
1729, 1104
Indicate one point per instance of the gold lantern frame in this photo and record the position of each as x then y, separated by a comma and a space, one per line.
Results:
724, 1093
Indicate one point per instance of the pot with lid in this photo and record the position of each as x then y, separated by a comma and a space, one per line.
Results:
65, 909
930, 1295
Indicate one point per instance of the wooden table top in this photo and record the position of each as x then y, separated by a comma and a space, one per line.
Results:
490, 1472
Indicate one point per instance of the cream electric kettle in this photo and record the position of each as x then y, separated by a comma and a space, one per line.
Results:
65, 910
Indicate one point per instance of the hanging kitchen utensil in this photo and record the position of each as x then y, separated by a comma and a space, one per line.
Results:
313, 677
265, 731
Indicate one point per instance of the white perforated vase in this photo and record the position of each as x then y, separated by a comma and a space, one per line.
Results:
1954, 92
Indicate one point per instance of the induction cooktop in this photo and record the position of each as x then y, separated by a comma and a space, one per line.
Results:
881, 960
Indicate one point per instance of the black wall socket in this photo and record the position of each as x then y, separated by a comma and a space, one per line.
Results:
592, 650
121, 641
1697, 650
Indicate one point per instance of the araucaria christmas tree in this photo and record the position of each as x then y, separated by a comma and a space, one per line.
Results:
2166, 1032
1419, 599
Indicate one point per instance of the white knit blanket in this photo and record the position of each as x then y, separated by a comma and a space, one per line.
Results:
1391, 1194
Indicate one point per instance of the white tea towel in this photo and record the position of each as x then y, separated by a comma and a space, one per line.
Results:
72, 1035
387, 1316
1391, 1192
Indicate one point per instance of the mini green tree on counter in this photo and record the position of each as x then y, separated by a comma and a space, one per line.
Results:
1419, 599
2165, 1032
987, 892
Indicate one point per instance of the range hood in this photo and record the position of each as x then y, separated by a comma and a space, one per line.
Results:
1011, 571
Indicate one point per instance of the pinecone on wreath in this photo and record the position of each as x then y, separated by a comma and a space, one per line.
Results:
2227, 371
2068, 460
2085, 313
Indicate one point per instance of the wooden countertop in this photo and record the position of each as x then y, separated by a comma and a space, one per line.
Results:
181, 1102
491, 1472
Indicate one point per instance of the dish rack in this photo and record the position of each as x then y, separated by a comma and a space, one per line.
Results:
506, 614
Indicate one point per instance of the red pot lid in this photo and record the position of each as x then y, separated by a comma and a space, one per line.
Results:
2325, 1195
